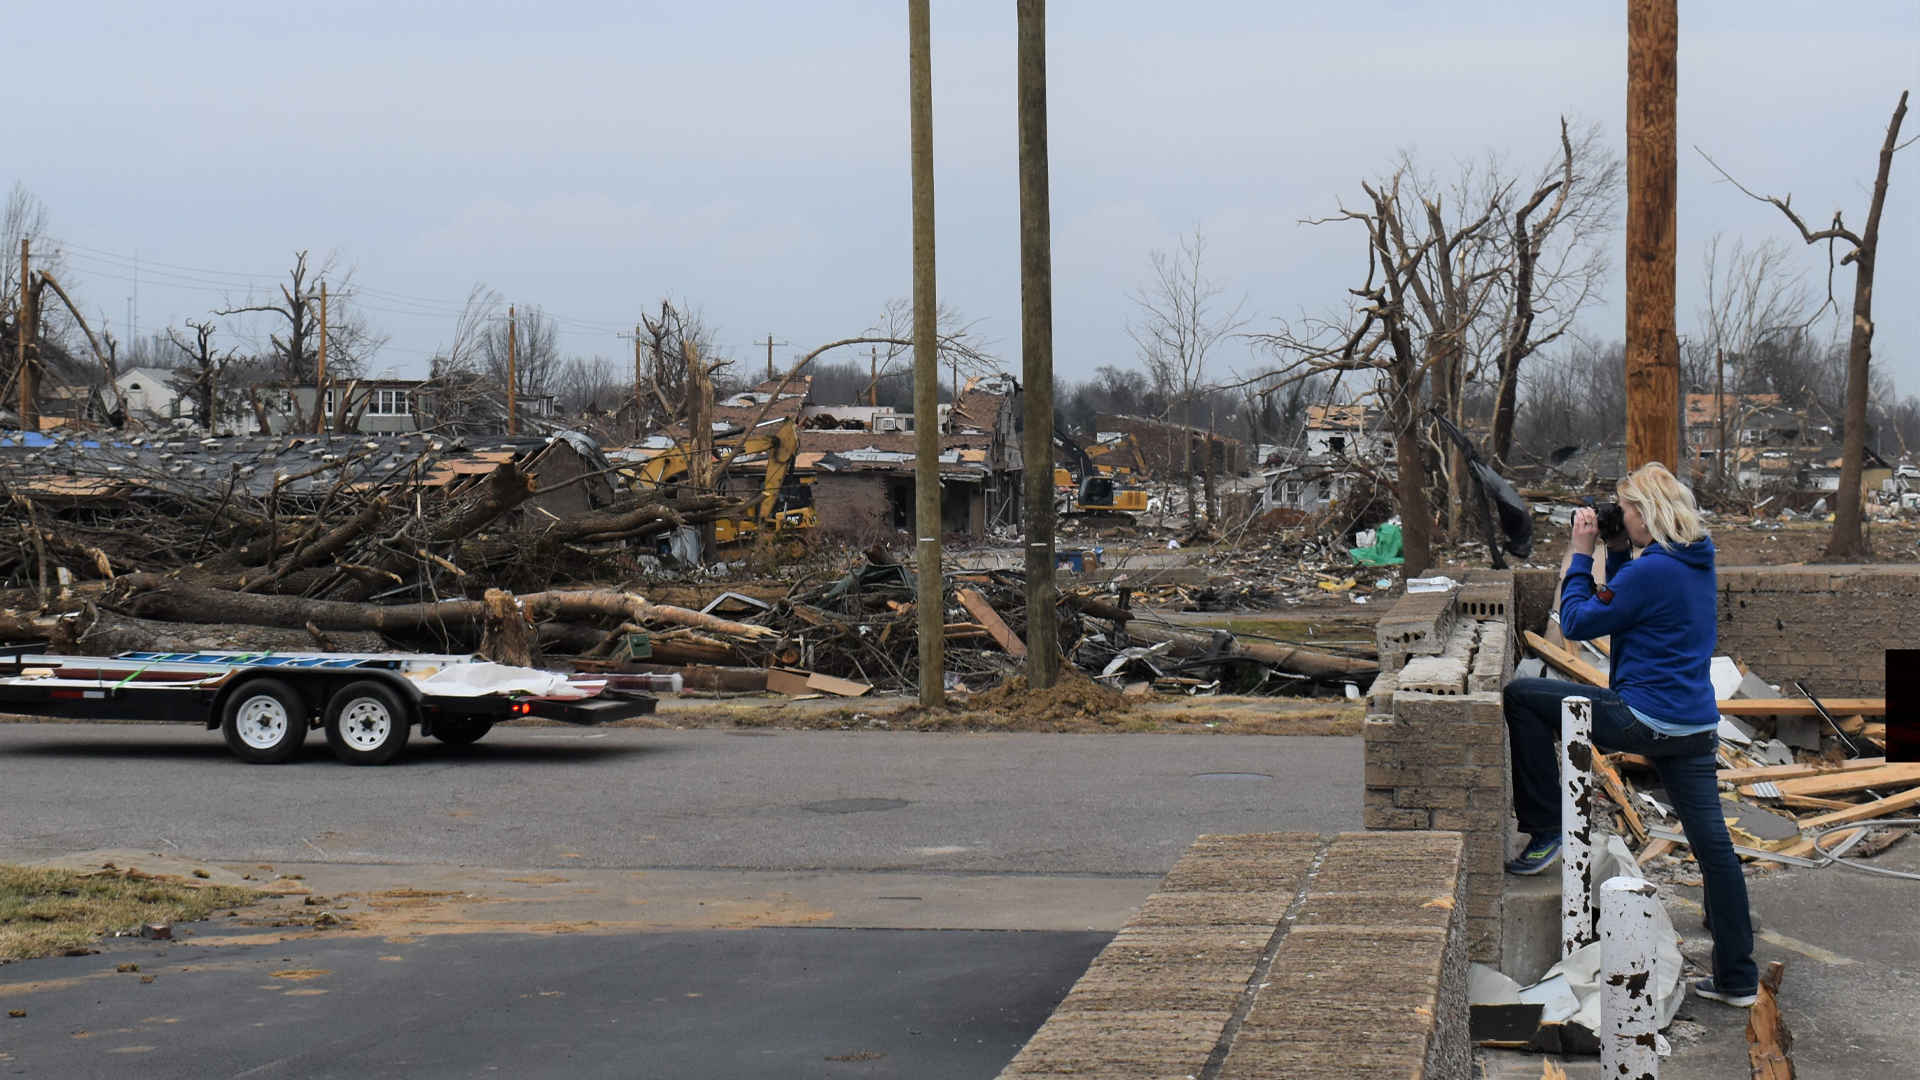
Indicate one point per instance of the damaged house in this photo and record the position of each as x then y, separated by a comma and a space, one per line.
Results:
1341, 446
861, 459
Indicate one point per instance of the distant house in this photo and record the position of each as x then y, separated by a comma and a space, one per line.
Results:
1338, 443
150, 394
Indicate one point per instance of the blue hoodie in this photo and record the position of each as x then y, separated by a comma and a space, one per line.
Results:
1660, 611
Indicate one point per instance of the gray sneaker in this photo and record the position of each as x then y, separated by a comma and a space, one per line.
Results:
1706, 989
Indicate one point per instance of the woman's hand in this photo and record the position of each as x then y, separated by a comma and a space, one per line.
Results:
1586, 530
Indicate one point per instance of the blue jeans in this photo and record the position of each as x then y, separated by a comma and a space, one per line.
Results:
1687, 767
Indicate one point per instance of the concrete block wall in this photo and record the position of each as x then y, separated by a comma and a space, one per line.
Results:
1826, 625
1279, 954
1436, 736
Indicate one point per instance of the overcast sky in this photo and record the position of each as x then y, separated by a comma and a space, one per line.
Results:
752, 156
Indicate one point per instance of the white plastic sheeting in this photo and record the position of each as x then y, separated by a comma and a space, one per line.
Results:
481, 679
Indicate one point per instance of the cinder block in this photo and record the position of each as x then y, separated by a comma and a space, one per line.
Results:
1431, 798
1374, 817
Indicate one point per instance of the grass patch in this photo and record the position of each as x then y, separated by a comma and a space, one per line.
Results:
46, 911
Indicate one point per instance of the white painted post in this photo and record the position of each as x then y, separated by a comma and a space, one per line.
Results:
1629, 1015
1576, 824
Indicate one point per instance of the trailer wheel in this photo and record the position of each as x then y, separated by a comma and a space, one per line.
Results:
462, 732
264, 722
367, 724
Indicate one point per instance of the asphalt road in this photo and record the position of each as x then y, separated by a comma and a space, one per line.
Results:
907, 1004
807, 886
640, 798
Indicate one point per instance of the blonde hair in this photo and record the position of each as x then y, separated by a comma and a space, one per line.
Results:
1665, 504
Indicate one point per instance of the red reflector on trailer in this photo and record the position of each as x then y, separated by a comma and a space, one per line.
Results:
66, 693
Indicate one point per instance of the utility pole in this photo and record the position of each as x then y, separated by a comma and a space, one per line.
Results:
873, 377
639, 384
931, 601
22, 333
513, 336
1036, 344
320, 377
769, 357
1653, 348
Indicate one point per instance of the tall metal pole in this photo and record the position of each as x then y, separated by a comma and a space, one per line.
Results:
1653, 348
931, 600
1036, 345
320, 373
513, 337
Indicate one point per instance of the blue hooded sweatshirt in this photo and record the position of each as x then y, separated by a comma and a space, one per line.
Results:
1660, 611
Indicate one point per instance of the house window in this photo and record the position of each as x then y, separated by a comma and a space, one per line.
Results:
1326, 490
389, 403
1337, 444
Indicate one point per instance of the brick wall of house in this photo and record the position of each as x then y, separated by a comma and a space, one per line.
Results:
1827, 625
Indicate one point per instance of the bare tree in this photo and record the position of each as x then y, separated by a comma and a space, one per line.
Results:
199, 379
1557, 255
536, 360
293, 335
1180, 316
1756, 303
1847, 540
458, 397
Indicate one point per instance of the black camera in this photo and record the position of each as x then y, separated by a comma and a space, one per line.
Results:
1612, 521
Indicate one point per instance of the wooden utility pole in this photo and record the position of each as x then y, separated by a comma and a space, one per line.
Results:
1653, 347
513, 335
931, 600
639, 384
1036, 344
22, 331
769, 357
320, 375
873, 376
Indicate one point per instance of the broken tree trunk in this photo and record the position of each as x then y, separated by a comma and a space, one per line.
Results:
1291, 658
320, 550
152, 596
507, 636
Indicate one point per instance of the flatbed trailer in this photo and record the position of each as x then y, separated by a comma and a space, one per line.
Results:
264, 704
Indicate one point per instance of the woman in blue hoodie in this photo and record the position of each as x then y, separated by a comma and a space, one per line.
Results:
1658, 609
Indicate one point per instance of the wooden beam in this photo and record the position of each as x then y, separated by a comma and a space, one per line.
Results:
1865, 811
1839, 707
1788, 772
1565, 662
1617, 791
1887, 776
978, 607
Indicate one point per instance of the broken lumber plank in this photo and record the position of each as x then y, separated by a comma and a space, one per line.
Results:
978, 607
1617, 791
838, 687
1788, 772
1839, 707
1898, 776
1808, 802
1769, 1043
790, 683
1565, 662
1865, 811
1655, 848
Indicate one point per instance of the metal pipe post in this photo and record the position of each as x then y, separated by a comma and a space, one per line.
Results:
930, 600
1629, 1014
1576, 824
1036, 345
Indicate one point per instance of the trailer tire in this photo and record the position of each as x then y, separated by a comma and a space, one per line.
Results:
367, 724
462, 732
264, 722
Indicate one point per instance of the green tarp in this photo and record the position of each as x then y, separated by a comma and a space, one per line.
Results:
1385, 550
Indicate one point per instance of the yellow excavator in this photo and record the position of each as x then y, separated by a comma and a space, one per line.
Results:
1090, 487
786, 500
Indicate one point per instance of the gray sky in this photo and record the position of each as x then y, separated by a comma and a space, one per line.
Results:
752, 156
